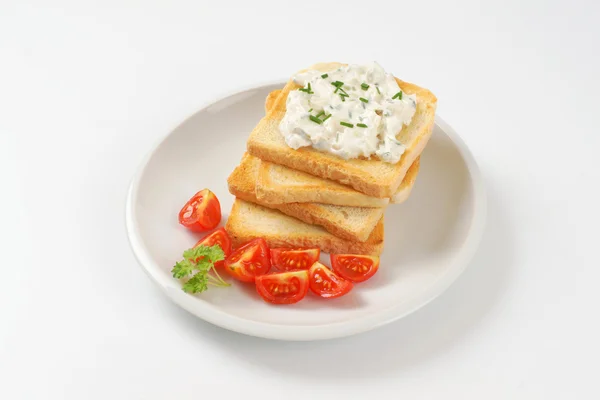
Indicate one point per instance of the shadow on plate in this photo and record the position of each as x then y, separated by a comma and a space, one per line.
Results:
415, 339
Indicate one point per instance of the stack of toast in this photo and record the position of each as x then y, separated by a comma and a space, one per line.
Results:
309, 198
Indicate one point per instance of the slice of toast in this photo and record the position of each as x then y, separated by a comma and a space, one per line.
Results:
277, 184
352, 223
371, 177
248, 221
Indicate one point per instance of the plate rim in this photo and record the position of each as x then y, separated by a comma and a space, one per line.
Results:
212, 314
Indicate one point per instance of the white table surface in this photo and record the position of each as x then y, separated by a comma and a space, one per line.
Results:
87, 88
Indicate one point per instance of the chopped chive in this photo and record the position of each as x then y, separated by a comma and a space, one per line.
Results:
361, 125
398, 95
321, 113
363, 100
324, 76
377, 87
335, 91
315, 119
337, 84
342, 97
344, 94
326, 118
364, 86
307, 90
310, 110
346, 124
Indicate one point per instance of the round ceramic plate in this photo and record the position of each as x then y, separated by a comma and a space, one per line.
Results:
429, 239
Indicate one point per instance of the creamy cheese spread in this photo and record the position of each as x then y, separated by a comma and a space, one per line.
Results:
353, 111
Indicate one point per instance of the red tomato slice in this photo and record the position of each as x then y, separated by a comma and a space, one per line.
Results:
219, 237
285, 259
355, 267
283, 287
202, 212
249, 261
326, 283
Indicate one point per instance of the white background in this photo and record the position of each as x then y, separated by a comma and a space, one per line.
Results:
87, 88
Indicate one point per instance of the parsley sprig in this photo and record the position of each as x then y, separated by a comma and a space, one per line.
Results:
197, 269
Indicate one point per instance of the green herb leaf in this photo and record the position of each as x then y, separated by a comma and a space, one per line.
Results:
315, 119
361, 125
326, 118
197, 268
199, 253
310, 110
398, 95
182, 268
196, 284
321, 113
347, 124
377, 87
324, 76
307, 89
364, 86
363, 100
337, 84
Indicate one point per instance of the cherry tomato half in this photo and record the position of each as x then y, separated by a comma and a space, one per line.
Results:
219, 237
283, 287
285, 259
249, 261
202, 212
326, 283
354, 267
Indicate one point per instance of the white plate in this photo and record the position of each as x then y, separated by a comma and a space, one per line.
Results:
429, 239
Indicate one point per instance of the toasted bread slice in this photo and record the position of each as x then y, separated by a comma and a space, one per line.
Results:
248, 221
277, 184
352, 223
371, 177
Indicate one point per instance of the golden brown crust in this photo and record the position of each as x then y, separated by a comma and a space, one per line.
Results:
407, 184
241, 228
309, 190
334, 219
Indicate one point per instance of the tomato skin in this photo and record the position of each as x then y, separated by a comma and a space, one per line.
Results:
249, 261
219, 237
202, 212
326, 283
288, 259
283, 287
355, 267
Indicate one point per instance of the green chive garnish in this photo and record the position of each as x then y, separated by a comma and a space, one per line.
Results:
377, 87
347, 124
398, 95
337, 84
315, 119
361, 125
363, 100
364, 86
306, 90
324, 76
321, 113
326, 118
310, 110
